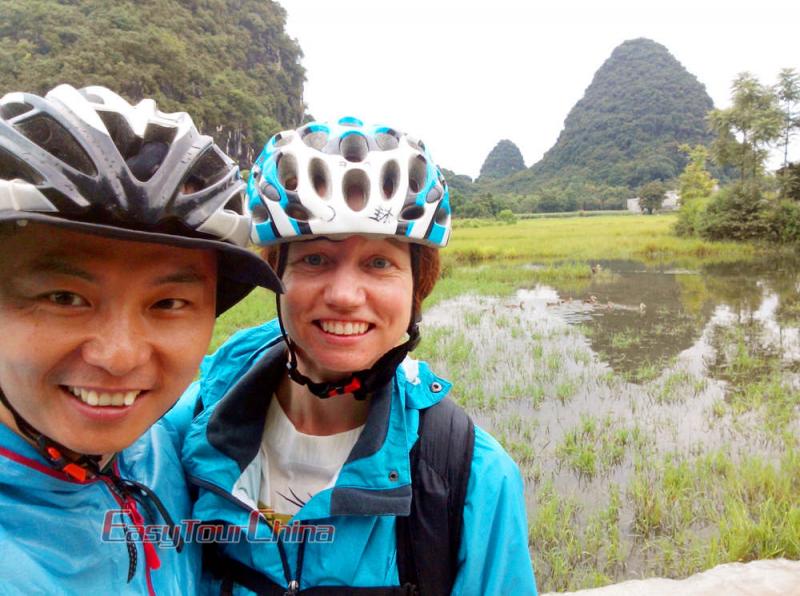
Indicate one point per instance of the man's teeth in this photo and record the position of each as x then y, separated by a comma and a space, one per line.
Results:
94, 398
341, 328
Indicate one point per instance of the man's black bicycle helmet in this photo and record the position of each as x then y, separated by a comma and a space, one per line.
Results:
90, 161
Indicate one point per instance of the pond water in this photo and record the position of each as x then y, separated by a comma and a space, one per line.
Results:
586, 386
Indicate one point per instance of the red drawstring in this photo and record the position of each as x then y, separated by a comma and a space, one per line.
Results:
150, 554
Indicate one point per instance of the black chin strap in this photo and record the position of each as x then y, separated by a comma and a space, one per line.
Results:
79, 468
361, 383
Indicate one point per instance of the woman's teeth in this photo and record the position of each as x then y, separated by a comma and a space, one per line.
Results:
341, 328
95, 398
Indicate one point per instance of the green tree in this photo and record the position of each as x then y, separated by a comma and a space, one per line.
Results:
695, 186
738, 212
695, 182
507, 216
651, 195
745, 130
789, 177
788, 92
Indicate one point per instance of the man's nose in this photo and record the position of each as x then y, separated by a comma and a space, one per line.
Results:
119, 345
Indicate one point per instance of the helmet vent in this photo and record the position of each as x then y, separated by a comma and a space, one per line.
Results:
282, 139
287, 171
298, 212
54, 138
126, 141
434, 194
387, 140
95, 98
416, 144
14, 109
147, 161
267, 191
235, 204
412, 212
417, 173
389, 179
442, 216
209, 169
356, 189
318, 173
316, 139
260, 213
354, 147
13, 168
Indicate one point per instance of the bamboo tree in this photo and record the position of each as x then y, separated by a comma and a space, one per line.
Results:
788, 91
745, 130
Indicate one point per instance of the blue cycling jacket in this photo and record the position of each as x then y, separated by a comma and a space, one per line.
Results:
52, 527
349, 529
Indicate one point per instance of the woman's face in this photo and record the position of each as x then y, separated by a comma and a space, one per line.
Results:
347, 302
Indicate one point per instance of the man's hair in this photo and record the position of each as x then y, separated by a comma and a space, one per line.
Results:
425, 264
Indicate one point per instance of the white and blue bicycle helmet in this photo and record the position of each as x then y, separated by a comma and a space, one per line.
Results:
345, 178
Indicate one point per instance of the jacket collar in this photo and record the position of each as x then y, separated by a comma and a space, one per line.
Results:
375, 479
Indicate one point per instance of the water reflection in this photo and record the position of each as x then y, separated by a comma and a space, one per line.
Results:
640, 319
580, 385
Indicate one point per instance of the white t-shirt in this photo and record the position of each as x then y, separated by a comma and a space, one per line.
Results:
296, 466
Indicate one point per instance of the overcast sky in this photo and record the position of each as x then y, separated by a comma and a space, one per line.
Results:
462, 74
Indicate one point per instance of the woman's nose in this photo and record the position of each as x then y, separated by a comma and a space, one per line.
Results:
345, 288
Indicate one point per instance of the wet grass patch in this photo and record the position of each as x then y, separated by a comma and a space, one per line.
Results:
694, 512
756, 378
594, 446
573, 550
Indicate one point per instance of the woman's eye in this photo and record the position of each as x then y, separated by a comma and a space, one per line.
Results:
380, 263
315, 260
67, 299
170, 304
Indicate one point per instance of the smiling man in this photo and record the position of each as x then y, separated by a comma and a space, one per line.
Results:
121, 239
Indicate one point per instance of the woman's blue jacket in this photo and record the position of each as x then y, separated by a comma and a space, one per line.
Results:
349, 529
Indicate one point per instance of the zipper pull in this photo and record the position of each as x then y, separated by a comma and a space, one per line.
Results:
292, 589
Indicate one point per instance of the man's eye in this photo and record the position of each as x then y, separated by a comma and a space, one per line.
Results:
66, 299
171, 304
314, 260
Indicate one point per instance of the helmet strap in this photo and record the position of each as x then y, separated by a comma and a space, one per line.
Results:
80, 468
361, 383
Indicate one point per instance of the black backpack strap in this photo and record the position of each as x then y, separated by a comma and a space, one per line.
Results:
233, 572
428, 539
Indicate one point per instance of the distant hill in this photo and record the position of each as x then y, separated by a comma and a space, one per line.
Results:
625, 131
504, 160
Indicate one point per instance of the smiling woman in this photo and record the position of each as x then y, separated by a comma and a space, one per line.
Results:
321, 416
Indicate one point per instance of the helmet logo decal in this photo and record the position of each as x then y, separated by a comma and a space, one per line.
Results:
382, 215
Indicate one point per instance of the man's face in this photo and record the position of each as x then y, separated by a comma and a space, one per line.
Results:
99, 336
